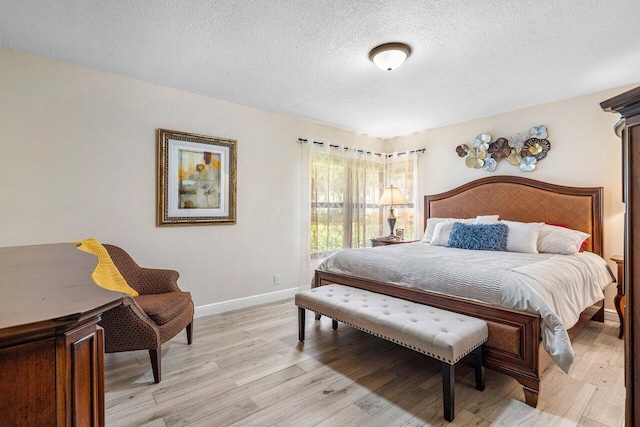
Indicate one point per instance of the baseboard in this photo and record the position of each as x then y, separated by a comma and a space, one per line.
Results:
611, 315
235, 304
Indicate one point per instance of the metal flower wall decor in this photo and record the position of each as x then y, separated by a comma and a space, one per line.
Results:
521, 150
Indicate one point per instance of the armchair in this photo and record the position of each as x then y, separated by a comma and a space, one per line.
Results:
149, 320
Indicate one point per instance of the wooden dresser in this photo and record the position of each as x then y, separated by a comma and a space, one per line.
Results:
628, 128
51, 348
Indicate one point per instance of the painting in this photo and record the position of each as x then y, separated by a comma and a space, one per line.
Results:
196, 179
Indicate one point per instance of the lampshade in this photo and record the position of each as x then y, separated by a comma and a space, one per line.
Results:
392, 196
389, 56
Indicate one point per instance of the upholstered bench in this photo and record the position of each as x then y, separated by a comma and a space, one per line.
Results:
441, 334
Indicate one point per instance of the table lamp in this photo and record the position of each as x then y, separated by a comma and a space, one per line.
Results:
390, 197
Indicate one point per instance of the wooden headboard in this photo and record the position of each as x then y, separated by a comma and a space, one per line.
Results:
521, 199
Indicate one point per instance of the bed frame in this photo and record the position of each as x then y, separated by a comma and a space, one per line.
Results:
514, 346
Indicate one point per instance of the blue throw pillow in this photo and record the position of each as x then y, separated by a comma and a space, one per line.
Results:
479, 237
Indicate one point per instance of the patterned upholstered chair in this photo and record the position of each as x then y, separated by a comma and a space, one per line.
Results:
147, 321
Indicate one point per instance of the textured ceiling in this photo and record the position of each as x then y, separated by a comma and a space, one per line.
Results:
309, 58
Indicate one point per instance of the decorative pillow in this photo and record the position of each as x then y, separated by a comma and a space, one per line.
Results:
106, 274
486, 219
523, 237
478, 237
559, 240
431, 227
441, 233
432, 222
584, 244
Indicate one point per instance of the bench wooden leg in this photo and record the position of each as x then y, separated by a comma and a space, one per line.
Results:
301, 315
477, 364
448, 390
334, 324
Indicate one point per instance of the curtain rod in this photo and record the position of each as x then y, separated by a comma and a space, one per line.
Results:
422, 150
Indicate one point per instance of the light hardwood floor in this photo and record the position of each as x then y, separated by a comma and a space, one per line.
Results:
246, 368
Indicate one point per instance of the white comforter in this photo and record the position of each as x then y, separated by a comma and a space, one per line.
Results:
557, 287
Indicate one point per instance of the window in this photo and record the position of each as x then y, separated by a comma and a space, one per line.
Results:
402, 173
345, 188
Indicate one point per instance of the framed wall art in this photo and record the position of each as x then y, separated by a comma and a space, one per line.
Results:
196, 179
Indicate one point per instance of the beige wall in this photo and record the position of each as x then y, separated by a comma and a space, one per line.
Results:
78, 160
584, 152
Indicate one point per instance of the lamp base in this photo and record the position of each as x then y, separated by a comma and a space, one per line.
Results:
392, 223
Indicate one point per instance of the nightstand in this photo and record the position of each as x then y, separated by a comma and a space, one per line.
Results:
385, 241
619, 260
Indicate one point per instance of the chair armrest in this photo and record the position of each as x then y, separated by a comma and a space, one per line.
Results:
144, 280
158, 280
127, 327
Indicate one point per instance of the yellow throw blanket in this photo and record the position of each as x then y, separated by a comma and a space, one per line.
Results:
106, 274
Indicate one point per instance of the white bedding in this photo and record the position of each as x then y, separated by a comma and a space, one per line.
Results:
557, 287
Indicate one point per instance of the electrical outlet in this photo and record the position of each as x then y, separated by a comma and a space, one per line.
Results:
276, 279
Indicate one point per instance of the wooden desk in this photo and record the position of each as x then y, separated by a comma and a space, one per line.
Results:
51, 348
619, 260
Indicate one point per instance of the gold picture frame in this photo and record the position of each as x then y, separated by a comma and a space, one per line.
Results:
196, 179
400, 233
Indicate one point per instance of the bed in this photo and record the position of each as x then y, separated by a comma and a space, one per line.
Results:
514, 346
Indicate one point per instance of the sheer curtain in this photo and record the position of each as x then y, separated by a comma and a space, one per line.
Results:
345, 186
402, 172
340, 191
305, 272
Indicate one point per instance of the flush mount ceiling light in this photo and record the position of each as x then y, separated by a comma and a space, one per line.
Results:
389, 56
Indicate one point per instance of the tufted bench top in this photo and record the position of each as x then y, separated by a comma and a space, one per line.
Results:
441, 334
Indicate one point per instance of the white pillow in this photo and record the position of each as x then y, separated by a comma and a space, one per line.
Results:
486, 219
560, 240
522, 236
431, 226
432, 222
441, 233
